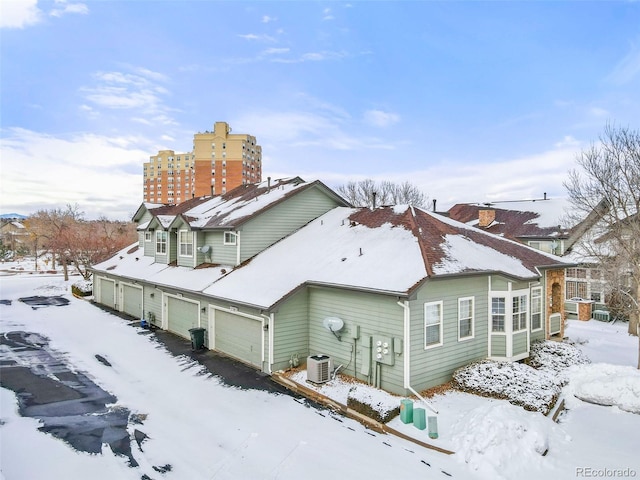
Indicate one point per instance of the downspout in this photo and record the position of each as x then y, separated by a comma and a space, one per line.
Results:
237, 248
407, 354
269, 319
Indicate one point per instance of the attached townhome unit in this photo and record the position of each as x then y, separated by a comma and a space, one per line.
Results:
394, 296
539, 224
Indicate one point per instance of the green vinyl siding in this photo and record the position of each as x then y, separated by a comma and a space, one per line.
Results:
172, 247
150, 247
153, 304
220, 253
291, 331
374, 314
281, 220
498, 345
538, 334
199, 240
434, 366
520, 343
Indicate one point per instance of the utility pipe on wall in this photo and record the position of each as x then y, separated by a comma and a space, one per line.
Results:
407, 354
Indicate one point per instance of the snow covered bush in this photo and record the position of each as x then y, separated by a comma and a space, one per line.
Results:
373, 403
534, 390
555, 356
82, 288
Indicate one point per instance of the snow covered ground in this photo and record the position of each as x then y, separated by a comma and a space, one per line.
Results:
206, 430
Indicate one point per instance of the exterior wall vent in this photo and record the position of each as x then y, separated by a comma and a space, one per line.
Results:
319, 368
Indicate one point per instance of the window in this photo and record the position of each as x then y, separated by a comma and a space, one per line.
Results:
497, 314
576, 289
161, 242
536, 308
230, 238
577, 272
147, 236
432, 324
519, 313
535, 245
185, 242
465, 318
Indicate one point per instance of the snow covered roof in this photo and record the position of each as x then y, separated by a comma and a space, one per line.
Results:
387, 250
131, 263
235, 207
542, 218
390, 249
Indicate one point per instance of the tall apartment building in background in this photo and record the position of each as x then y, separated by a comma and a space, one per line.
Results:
219, 162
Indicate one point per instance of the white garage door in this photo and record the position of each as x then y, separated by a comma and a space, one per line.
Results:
181, 316
132, 300
107, 292
239, 337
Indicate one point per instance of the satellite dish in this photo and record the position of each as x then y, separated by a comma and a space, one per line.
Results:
333, 324
205, 249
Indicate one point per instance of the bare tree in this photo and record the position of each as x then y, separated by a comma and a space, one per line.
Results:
607, 185
365, 193
74, 241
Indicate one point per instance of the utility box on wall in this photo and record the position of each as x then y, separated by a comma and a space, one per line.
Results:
383, 350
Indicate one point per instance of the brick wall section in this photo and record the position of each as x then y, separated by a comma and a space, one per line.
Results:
584, 311
485, 217
554, 303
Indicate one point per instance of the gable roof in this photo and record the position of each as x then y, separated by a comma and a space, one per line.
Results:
237, 206
542, 218
386, 250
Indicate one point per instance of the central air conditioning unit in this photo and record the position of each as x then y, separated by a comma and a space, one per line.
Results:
319, 368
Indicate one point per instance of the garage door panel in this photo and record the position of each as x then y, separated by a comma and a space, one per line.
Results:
132, 300
182, 316
239, 337
107, 292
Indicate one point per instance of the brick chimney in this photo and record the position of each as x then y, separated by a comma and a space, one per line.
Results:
486, 217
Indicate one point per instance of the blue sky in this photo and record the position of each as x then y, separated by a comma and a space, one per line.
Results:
471, 101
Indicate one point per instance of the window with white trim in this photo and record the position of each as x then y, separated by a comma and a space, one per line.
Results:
519, 313
147, 236
161, 242
432, 324
465, 318
536, 308
230, 238
497, 314
185, 243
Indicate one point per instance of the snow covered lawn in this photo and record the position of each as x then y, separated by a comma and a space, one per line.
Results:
204, 429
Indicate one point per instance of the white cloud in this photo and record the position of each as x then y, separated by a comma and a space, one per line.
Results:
450, 182
326, 14
101, 174
379, 118
139, 92
257, 38
567, 141
598, 112
19, 13
63, 8
25, 13
627, 69
276, 51
268, 19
